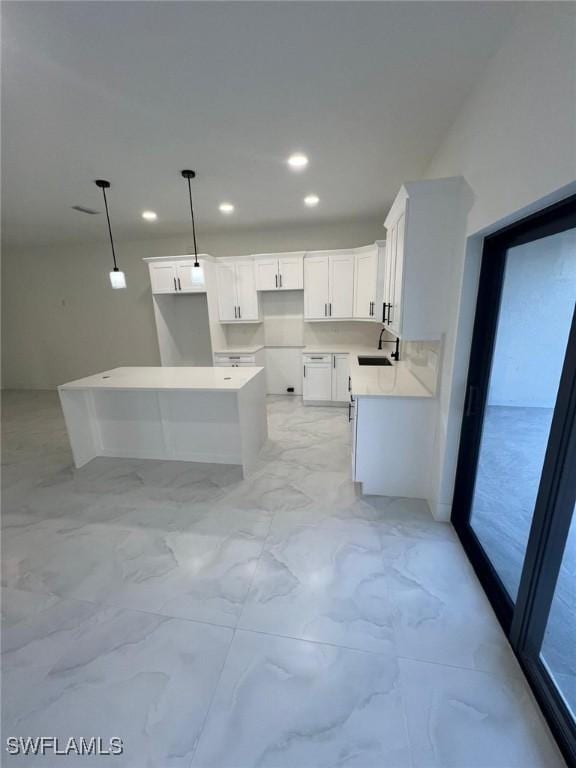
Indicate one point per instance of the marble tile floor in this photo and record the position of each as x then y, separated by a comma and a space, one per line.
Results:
281, 621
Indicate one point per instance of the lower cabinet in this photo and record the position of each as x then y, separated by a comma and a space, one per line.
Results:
325, 378
317, 379
392, 445
340, 373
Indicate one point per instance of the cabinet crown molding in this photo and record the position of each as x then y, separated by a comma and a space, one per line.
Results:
179, 257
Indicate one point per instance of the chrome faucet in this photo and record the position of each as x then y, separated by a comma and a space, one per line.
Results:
394, 355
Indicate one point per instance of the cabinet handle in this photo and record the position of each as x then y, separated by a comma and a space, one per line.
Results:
280, 281
472, 401
239, 313
349, 384
175, 286
325, 310
389, 313
350, 406
330, 305
235, 314
334, 361
384, 312
179, 286
304, 371
276, 276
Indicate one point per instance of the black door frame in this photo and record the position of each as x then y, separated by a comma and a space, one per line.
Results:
525, 622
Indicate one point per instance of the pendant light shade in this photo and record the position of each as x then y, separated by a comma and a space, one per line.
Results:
117, 277
197, 273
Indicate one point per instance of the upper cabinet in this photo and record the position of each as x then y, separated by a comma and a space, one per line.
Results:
368, 282
329, 285
424, 226
175, 275
279, 271
237, 297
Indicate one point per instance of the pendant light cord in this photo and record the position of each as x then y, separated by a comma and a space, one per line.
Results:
110, 230
196, 264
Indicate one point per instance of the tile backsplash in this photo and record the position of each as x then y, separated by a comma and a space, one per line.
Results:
424, 359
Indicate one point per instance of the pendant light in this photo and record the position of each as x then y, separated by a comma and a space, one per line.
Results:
117, 277
197, 273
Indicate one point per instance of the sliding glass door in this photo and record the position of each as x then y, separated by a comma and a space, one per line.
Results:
516, 480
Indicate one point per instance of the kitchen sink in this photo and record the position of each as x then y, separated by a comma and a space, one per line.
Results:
373, 361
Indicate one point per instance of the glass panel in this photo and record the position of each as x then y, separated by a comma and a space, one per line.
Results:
559, 645
534, 322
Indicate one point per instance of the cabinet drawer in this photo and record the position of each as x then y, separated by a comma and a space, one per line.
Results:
234, 360
310, 359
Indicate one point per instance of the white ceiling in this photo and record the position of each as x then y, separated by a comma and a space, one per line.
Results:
134, 92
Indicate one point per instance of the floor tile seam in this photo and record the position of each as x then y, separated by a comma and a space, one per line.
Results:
103, 605
329, 643
212, 699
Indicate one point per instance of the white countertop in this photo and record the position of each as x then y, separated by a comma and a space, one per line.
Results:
239, 350
155, 378
396, 380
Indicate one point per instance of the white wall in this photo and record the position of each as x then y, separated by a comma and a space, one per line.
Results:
62, 321
535, 316
514, 143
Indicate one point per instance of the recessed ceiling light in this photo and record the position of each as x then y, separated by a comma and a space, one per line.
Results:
311, 200
298, 161
149, 215
226, 208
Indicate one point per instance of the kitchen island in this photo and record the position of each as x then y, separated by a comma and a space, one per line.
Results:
209, 415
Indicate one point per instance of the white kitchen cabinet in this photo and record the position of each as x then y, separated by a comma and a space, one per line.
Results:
317, 379
316, 292
246, 291
369, 282
425, 226
266, 274
340, 374
174, 275
163, 278
291, 272
184, 272
325, 378
329, 285
237, 297
280, 272
227, 297
182, 324
393, 445
341, 285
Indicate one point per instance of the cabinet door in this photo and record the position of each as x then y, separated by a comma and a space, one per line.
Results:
163, 278
267, 276
246, 291
396, 300
291, 273
317, 382
227, 305
184, 277
341, 285
389, 273
365, 280
316, 278
340, 373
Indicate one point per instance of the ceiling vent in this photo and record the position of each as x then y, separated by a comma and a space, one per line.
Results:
83, 209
